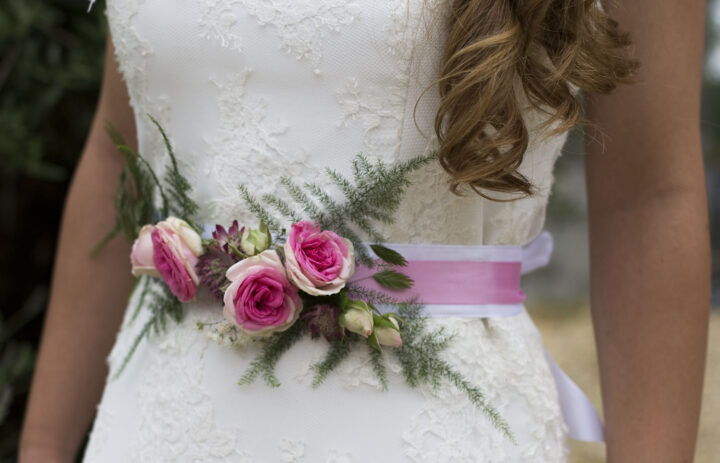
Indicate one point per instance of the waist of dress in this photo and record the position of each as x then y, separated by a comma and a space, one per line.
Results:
464, 280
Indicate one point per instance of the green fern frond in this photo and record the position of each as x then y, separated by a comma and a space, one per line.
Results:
272, 349
338, 351
282, 207
144, 284
299, 196
133, 206
357, 291
421, 363
257, 209
163, 304
179, 188
378, 365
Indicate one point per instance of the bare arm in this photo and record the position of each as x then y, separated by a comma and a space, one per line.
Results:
650, 254
88, 294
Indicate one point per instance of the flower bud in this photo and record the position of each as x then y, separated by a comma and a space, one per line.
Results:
255, 241
387, 332
187, 233
357, 318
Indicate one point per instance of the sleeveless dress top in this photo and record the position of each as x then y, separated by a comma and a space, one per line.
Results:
249, 90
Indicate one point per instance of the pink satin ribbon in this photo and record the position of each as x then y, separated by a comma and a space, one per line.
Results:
446, 282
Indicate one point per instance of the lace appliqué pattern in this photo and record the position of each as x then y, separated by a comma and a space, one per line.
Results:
218, 22
177, 423
246, 141
293, 451
448, 428
302, 26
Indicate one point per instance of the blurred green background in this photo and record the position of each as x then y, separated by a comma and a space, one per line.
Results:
51, 55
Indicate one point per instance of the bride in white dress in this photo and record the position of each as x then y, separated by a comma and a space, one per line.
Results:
250, 90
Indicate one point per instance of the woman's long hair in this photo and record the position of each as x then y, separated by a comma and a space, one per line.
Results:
497, 49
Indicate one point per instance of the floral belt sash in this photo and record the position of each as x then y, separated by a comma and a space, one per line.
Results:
318, 265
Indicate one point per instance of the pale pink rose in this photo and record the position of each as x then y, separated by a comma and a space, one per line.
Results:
260, 300
317, 261
176, 247
141, 256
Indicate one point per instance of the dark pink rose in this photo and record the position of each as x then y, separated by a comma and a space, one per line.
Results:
175, 254
319, 262
260, 300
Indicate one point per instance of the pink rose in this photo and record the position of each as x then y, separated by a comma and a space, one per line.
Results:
141, 256
175, 250
260, 300
317, 261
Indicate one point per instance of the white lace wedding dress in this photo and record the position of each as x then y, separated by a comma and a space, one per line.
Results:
249, 90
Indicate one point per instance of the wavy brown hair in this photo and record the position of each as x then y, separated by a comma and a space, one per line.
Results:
499, 49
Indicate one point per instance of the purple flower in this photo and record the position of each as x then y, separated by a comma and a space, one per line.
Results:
211, 268
220, 255
323, 320
230, 238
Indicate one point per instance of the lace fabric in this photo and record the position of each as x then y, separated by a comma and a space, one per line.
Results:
250, 89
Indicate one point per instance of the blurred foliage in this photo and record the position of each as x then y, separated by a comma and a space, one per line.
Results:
51, 57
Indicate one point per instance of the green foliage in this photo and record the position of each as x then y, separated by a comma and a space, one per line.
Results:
378, 365
338, 351
163, 305
373, 195
272, 350
388, 255
51, 57
138, 182
180, 204
357, 291
392, 279
133, 200
420, 358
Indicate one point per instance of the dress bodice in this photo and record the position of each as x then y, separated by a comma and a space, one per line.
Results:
250, 90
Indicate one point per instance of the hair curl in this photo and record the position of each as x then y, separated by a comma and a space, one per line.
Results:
494, 49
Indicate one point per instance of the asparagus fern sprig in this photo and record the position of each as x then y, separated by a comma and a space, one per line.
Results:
372, 196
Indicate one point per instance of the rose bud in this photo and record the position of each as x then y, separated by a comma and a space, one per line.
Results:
386, 331
255, 241
357, 318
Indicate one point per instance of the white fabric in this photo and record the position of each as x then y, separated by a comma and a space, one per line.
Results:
537, 253
251, 89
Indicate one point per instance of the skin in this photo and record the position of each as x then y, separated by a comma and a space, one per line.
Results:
649, 256
649, 238
82, 319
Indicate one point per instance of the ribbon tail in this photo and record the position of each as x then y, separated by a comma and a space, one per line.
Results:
583, 421
536, 254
